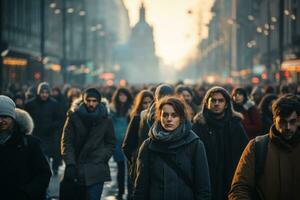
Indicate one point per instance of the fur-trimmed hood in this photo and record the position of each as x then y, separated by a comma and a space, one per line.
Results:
24, 120
199, 118
78, 101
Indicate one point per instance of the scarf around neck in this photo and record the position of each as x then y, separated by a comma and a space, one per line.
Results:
158, 133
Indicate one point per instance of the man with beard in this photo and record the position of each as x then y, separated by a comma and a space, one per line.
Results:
24, 171
220, 129
87, 144
279, 166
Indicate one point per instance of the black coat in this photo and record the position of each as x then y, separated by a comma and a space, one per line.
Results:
130, 144
47, 117
156, 180
224, 147
24, 171
88, 148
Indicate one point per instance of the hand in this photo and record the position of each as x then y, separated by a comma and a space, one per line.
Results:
70, 172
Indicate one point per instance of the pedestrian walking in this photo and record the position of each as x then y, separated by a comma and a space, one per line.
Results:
119, 111
269, 167
87, 143
24, 170
220, 129
130, 142
47, 118
251, 118
172, 162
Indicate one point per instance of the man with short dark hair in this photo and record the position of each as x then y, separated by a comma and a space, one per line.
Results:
220, 129
24, 171
279, 176
87, 144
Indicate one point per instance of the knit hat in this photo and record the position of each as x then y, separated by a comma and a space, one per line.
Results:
7, 107
43, 86
92, 92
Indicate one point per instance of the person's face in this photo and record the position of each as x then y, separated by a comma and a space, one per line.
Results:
287, 126
187, 96
91, 103
217, 103
238, 98
170, 120
44, 95
146, 102
122, 97
6, 123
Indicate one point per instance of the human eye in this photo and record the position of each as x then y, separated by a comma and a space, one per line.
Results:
174, 115
165, 115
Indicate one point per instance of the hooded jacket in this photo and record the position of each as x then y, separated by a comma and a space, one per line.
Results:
24, 171
88, 144
224, 141
156, 180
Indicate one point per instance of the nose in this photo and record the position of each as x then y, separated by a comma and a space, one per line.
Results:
169, 118
288, 126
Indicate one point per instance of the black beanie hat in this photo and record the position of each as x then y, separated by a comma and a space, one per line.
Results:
92, 92
43, 86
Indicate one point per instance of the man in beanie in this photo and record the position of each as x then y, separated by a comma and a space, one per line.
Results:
220, 129
24, 171
48, 119
87, 144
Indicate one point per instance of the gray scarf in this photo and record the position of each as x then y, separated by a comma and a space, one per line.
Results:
158, 133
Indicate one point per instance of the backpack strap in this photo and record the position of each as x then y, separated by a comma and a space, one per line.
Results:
261, 148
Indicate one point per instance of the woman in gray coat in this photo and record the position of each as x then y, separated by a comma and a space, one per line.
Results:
172, 162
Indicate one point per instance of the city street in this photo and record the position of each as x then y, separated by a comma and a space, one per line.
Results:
110, 188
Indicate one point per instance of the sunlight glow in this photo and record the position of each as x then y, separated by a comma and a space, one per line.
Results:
178, 26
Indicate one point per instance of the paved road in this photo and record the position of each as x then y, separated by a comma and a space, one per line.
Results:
110, 189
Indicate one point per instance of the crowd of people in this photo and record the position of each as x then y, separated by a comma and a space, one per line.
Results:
168, 141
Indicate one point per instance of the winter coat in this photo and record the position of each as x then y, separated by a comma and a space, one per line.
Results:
147, 119
156, 180
251, 119
130, 144
224, 146
91, 150
120, 124
24, 170
281, 173
47, 118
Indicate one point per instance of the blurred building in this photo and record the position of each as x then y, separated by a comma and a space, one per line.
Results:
59, 40
252, 39
137, 60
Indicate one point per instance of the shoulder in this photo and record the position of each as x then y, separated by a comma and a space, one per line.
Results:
237, 116
31, 141
199, 119
30, 102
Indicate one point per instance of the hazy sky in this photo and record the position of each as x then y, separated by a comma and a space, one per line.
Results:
177, 25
